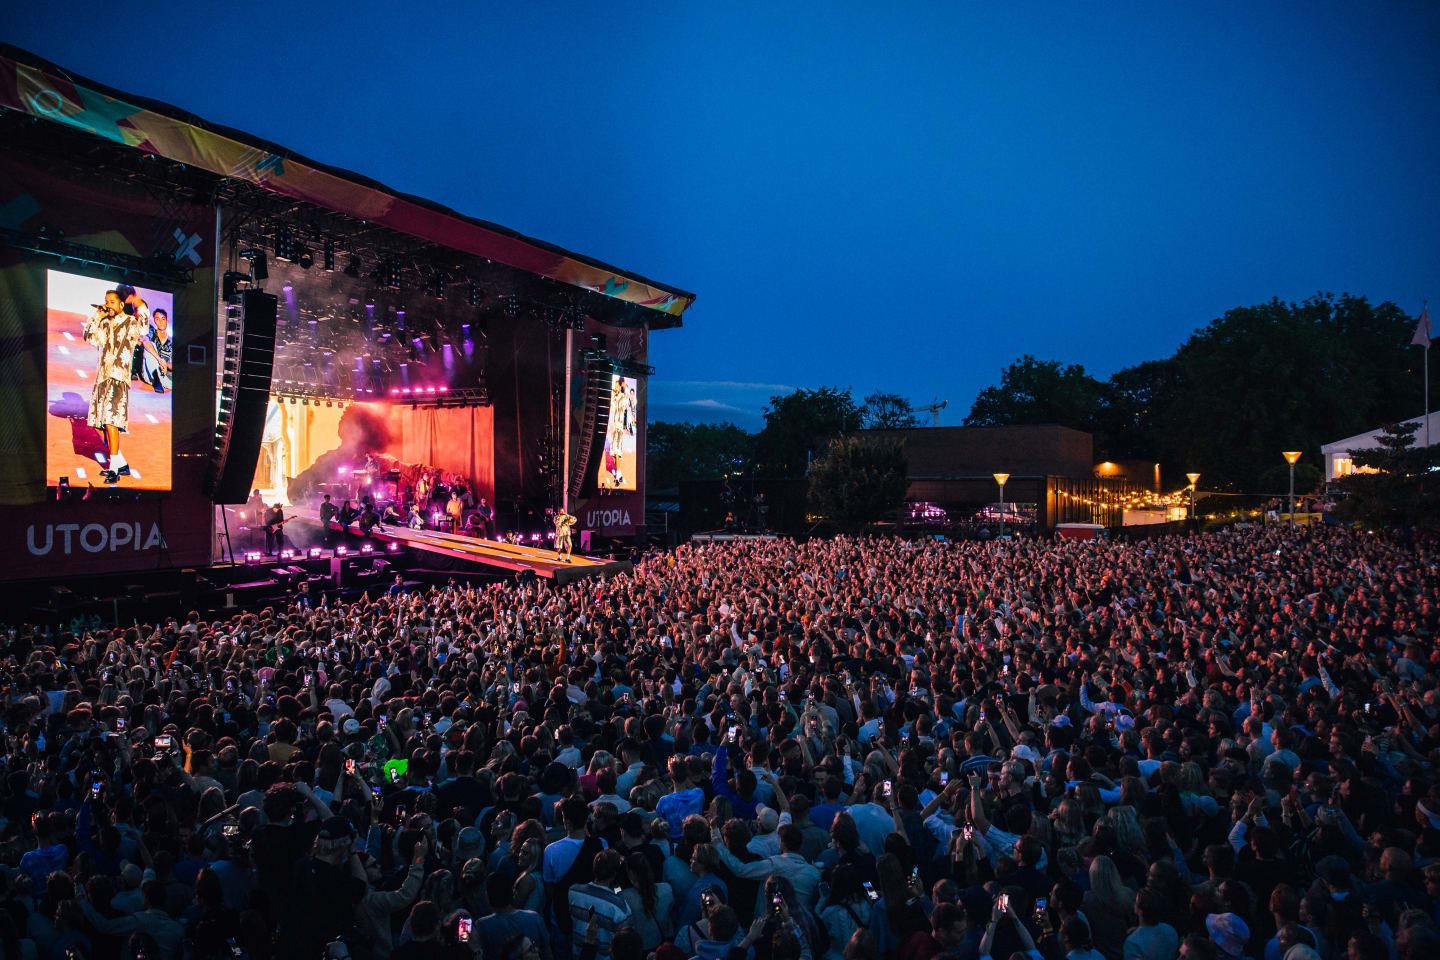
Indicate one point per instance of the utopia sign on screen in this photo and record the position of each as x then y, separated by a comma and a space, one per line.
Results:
68, 538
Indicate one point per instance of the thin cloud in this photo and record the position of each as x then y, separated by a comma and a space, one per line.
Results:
723, 384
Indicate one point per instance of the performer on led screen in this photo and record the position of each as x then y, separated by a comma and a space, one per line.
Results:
115, 330
563, 523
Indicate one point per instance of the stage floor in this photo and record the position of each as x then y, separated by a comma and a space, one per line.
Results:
494, 553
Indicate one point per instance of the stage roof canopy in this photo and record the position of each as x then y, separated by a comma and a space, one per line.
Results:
33, 86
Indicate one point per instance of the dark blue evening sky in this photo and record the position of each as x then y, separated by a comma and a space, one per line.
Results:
883, 196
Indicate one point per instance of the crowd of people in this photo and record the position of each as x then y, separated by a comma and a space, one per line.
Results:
1211, 747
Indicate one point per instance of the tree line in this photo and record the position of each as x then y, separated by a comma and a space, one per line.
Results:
1257, 380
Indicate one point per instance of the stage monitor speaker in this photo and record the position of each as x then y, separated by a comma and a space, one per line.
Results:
244, 398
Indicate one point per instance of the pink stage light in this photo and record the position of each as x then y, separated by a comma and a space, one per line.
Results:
367, 548
315, 552
287, 554
394, 391
444, 389
429, 389
342, 470
341, 551
393, 547
253, 556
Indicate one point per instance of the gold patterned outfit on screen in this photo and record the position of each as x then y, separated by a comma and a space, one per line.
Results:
116, 336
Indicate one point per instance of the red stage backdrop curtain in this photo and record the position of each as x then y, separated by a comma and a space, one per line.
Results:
455, 439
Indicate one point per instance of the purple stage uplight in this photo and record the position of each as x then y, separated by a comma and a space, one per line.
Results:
253, 556
367, 548
393, 548
315, 552
344, 470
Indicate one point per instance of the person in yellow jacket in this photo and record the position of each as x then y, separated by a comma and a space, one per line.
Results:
454, 509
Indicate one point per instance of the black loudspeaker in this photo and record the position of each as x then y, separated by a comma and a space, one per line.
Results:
244, 396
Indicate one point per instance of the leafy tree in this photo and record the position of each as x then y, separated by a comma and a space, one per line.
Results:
1282, 376
1402, 492
1260, 379
694, 451
860, 480
1276, 479
887, 411
796, 423
1035, 391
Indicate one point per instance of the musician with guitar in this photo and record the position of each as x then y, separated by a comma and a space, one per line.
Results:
274, 519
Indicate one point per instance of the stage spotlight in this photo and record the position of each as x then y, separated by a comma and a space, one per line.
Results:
393, 547
253, 556
474, 296
367, 548
341, 551
352, 268
287, 554
316, 552
329, 403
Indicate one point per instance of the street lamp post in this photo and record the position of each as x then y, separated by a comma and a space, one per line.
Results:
1194, 479
1000, 478
1290, 457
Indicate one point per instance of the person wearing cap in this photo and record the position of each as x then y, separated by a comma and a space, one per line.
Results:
765, 843
376, 908
1229, 933
329, 885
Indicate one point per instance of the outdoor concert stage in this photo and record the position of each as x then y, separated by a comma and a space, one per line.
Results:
491, 553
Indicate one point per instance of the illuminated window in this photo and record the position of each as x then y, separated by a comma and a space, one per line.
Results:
1344, 466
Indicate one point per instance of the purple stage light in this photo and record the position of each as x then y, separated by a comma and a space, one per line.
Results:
393, 548
341, 551
344, 470
287, 554
315, 552
253, 556
367, 548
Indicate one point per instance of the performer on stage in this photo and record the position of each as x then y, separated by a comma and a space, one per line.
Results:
115, 330
487, 517
454, 509
563, 523
417, 519
274, 521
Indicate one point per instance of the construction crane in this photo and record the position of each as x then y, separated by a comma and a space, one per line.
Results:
934, 406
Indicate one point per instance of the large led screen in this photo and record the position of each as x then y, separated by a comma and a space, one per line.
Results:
618, 466
109, 370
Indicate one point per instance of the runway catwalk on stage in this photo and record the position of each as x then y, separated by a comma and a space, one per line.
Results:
495, 553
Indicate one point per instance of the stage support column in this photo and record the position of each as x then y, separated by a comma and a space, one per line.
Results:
569, 365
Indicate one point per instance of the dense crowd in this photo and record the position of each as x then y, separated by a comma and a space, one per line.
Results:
1210, 747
